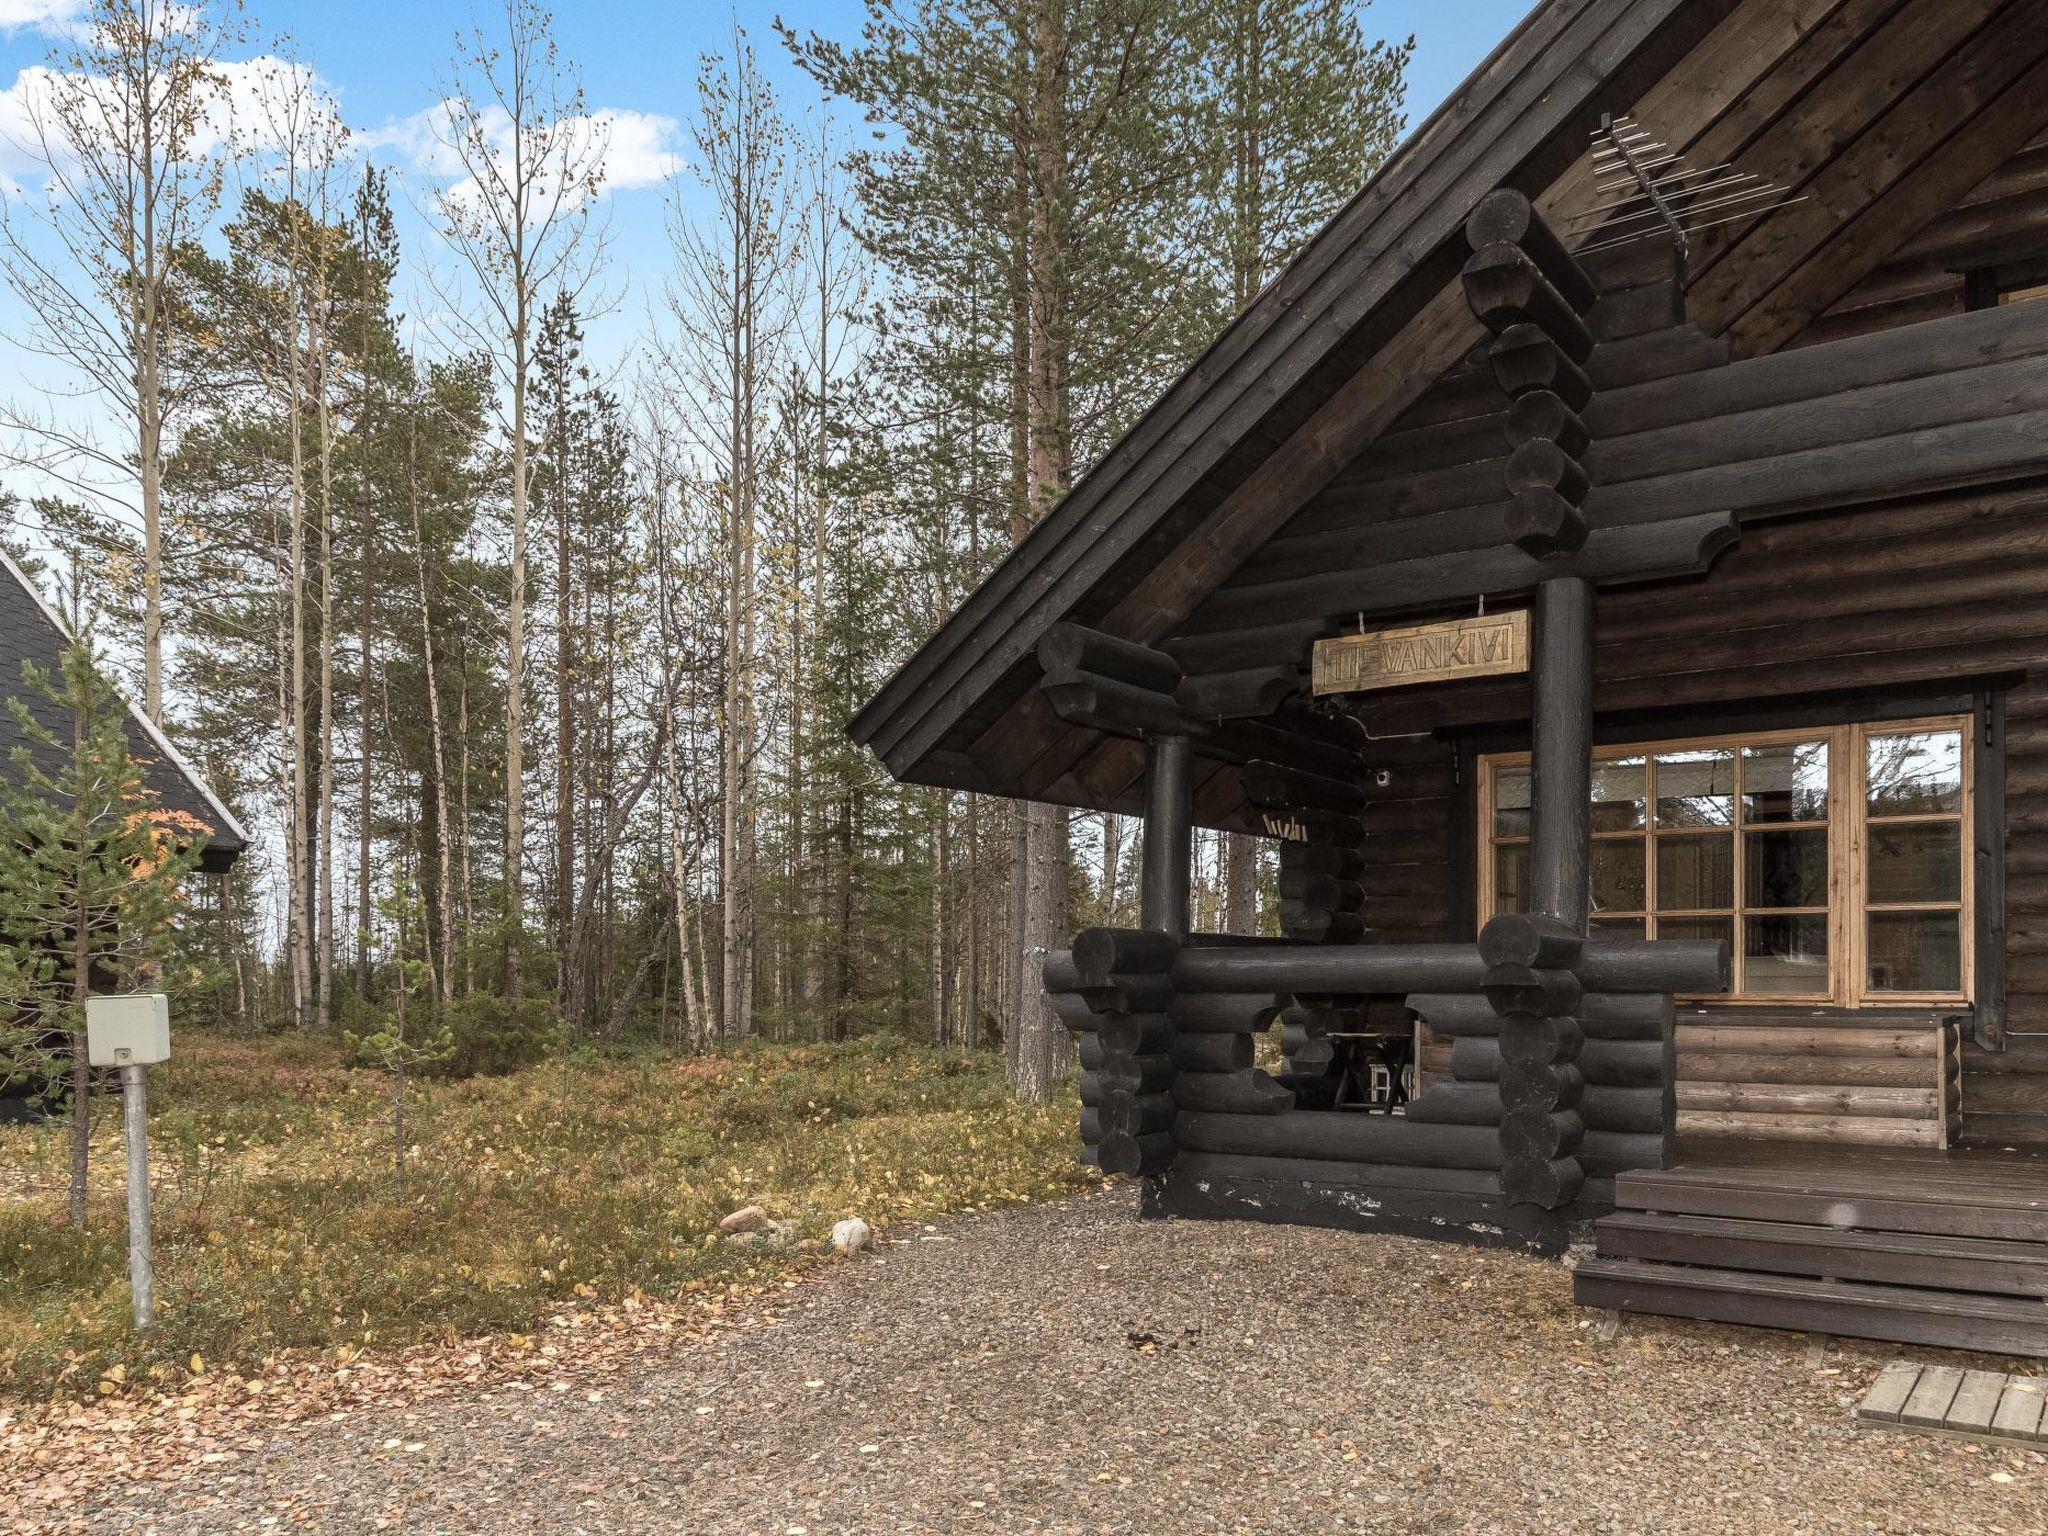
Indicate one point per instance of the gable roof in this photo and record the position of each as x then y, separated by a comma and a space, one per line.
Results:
1934, 95
1520, 119
31, 630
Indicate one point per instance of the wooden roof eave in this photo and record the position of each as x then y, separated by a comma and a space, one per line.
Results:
1516, 121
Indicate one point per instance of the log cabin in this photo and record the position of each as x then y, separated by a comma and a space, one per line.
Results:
1611, 561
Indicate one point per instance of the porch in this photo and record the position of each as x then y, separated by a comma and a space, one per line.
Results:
1919, 1245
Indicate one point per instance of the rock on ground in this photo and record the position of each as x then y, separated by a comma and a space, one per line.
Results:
748, 1218
1072, 1369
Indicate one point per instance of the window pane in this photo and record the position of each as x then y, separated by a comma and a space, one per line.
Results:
1618, 795
1786, 869
1785, 783
1696, 789
1511, 878
1785, 954
1915, 774
1707, 928
1511, 803
1916, 952
1616, 927
1920, 861
1696, 871
1618, 880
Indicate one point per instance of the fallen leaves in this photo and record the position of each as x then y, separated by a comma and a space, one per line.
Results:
558, 1222
56, 1453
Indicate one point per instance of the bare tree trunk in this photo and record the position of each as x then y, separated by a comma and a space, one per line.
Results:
567, 969
301, 914
941, 958
364, 771
462, 814
324, 812
1112, 864
81, 989
442, 858
971, 1034
1041, 1042
1240, 883
735, 964
515, 676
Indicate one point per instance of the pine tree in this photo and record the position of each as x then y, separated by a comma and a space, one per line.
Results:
1044, 142
91, 874
1298, 109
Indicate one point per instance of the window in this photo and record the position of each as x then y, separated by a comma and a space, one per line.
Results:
2022, 282
1834, 862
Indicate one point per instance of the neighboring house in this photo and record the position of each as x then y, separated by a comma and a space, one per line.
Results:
1696, 833
32, 631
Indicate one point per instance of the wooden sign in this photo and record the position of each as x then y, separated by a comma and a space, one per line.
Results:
1424, 653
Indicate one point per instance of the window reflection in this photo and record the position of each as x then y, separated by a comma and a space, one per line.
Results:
1915, 775
1786, 782
1696, 789
1618, 795
1858, 897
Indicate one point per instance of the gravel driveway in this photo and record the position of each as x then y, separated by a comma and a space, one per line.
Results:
1070, 1368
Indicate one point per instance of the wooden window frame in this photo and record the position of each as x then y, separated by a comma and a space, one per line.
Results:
2012, 282
1848, 826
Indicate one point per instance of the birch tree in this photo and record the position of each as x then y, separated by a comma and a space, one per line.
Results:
518, 219
125, 129
729, 295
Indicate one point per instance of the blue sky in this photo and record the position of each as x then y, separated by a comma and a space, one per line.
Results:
385, 62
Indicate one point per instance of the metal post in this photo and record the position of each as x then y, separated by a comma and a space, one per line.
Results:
1169, 810
135, 1130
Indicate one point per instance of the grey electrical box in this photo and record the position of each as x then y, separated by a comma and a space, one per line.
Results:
128, 1031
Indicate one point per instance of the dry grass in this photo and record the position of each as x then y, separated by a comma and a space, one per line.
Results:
594, 1178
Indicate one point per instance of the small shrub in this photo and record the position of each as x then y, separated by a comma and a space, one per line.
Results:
491, 1035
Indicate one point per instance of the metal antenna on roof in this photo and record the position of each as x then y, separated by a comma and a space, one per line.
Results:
1647, 191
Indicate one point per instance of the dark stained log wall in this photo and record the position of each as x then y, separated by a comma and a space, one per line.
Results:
2005, 1093
1936, 598
2003, 220
1927, 594
1413, 892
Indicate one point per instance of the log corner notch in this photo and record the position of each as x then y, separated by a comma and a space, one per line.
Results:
1533, 295
1112, 989
1532, 984
1126, 689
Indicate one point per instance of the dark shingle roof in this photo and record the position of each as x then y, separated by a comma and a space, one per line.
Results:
31, 631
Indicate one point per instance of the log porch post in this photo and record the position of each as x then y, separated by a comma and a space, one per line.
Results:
1163, 889
1561, 814
1529, 290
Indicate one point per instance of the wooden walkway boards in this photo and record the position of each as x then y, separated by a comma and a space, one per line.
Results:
1910, 1246
1946, 1400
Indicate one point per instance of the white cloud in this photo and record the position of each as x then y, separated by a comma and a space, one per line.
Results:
635, 149
640, 147
43, 15
256, 102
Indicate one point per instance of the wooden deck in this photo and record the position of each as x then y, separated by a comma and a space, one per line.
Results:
1915, 1245
1970, 1405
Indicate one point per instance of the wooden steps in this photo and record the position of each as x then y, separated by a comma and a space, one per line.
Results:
1902, 1314
1946, 1251
1776, 1247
